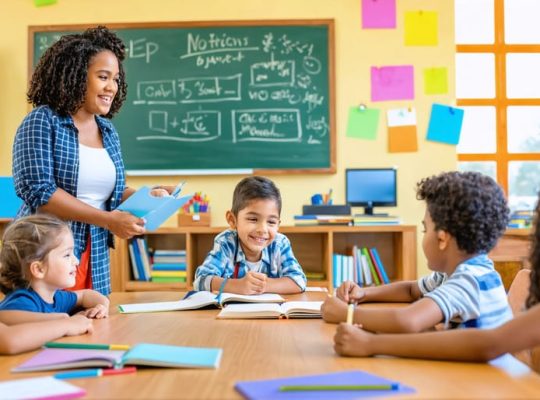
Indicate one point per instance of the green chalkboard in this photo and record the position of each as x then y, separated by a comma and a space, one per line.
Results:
207, 97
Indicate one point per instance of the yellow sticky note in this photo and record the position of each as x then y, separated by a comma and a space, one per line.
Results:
435, 81
421, 28
39, 3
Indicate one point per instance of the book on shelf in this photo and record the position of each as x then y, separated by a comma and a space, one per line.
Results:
367, 220
197, 300
143, 354
363, 266
310, 220
169, 279
140, 265
290, 309
154, 210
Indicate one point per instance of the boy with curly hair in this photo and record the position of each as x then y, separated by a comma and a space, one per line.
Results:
466, 213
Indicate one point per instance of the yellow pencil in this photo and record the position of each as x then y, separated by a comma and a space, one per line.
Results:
350, 313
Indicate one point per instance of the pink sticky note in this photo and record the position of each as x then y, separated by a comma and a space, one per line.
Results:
377, 14
392, 83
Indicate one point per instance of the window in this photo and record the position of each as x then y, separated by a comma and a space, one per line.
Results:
498, 85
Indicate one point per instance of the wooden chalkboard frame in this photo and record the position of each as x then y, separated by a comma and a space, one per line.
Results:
32, 29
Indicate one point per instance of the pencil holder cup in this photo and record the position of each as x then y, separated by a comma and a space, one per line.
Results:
194, 219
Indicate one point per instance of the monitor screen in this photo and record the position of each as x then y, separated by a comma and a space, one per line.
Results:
371, 187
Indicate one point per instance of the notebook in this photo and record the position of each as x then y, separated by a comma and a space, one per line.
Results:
196, 300
155, 210
145, 354
269, 389
291, 309
46, 387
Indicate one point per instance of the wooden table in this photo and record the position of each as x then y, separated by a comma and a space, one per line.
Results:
264, 349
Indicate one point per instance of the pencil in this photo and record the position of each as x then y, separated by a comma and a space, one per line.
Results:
312, 388
92, 346
350, 313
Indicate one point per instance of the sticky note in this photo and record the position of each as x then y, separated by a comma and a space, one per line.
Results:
402, 135
40, 3
435, 81
363, 123
445, 124
421, 28
378, 14
392, 83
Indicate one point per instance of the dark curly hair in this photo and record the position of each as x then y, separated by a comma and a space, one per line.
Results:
534, 289
468, 205
254, 187
60, 77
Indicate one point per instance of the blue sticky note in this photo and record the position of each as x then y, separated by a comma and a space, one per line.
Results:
445, 124
9, 202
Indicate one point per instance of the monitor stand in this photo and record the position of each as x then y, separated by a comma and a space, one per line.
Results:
368, 212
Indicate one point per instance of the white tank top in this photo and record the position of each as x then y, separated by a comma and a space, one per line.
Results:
97, 176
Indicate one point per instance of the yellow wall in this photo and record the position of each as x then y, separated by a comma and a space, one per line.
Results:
356, 51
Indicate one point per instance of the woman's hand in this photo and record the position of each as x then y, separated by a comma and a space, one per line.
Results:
125, 225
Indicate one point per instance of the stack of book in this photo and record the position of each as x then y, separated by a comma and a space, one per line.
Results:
521, 219
367, 219
169, 266
312, 220
140, 259
363, 266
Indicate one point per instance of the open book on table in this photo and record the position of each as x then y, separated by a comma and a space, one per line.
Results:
155, 210
145, 354
200, 300
291, 309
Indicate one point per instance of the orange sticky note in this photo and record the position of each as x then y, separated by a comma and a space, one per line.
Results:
402, 130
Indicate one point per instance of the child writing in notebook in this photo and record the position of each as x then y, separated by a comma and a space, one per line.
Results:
465, 215
36, 263
521, 333
252, 257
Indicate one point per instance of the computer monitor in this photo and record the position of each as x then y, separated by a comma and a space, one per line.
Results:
371, 187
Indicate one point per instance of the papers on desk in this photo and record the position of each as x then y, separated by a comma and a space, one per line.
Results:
291, 309
270, 389
200, 300
45, 387
155, 210
145, 354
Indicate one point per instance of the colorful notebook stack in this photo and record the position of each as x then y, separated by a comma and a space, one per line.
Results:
169, 266
311, 220
521, 219
363, 266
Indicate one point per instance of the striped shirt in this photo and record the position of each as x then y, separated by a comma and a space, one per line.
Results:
472, 297
46, 158
277, 261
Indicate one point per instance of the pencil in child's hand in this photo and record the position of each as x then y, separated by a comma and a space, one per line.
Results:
350, 313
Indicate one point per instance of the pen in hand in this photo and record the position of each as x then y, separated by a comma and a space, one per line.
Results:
350, 313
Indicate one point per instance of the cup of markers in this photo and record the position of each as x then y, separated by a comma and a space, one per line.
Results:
196, 212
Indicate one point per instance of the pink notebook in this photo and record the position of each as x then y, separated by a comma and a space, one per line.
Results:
44, 388
53, 359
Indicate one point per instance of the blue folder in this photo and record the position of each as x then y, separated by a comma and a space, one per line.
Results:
155, 210
9, 202
269, 389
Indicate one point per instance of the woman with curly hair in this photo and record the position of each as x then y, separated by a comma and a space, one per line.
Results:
521, 333
66, 153
466, 213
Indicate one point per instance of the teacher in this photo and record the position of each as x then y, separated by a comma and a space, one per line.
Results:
66, 155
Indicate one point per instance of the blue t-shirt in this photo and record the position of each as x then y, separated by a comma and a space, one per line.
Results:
29, 300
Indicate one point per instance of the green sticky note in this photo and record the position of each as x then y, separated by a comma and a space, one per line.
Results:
435, 81
421, 28
40, 3
363, 123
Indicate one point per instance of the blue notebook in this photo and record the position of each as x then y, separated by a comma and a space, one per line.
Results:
9, 202
155, 210
269, 389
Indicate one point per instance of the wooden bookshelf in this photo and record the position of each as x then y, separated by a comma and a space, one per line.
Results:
313, 246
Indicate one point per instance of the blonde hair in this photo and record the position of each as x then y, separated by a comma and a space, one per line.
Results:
26, 240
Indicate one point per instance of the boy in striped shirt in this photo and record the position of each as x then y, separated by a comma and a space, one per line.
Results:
466, 213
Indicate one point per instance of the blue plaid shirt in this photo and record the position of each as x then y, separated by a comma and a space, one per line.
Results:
277, 261
45, 158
